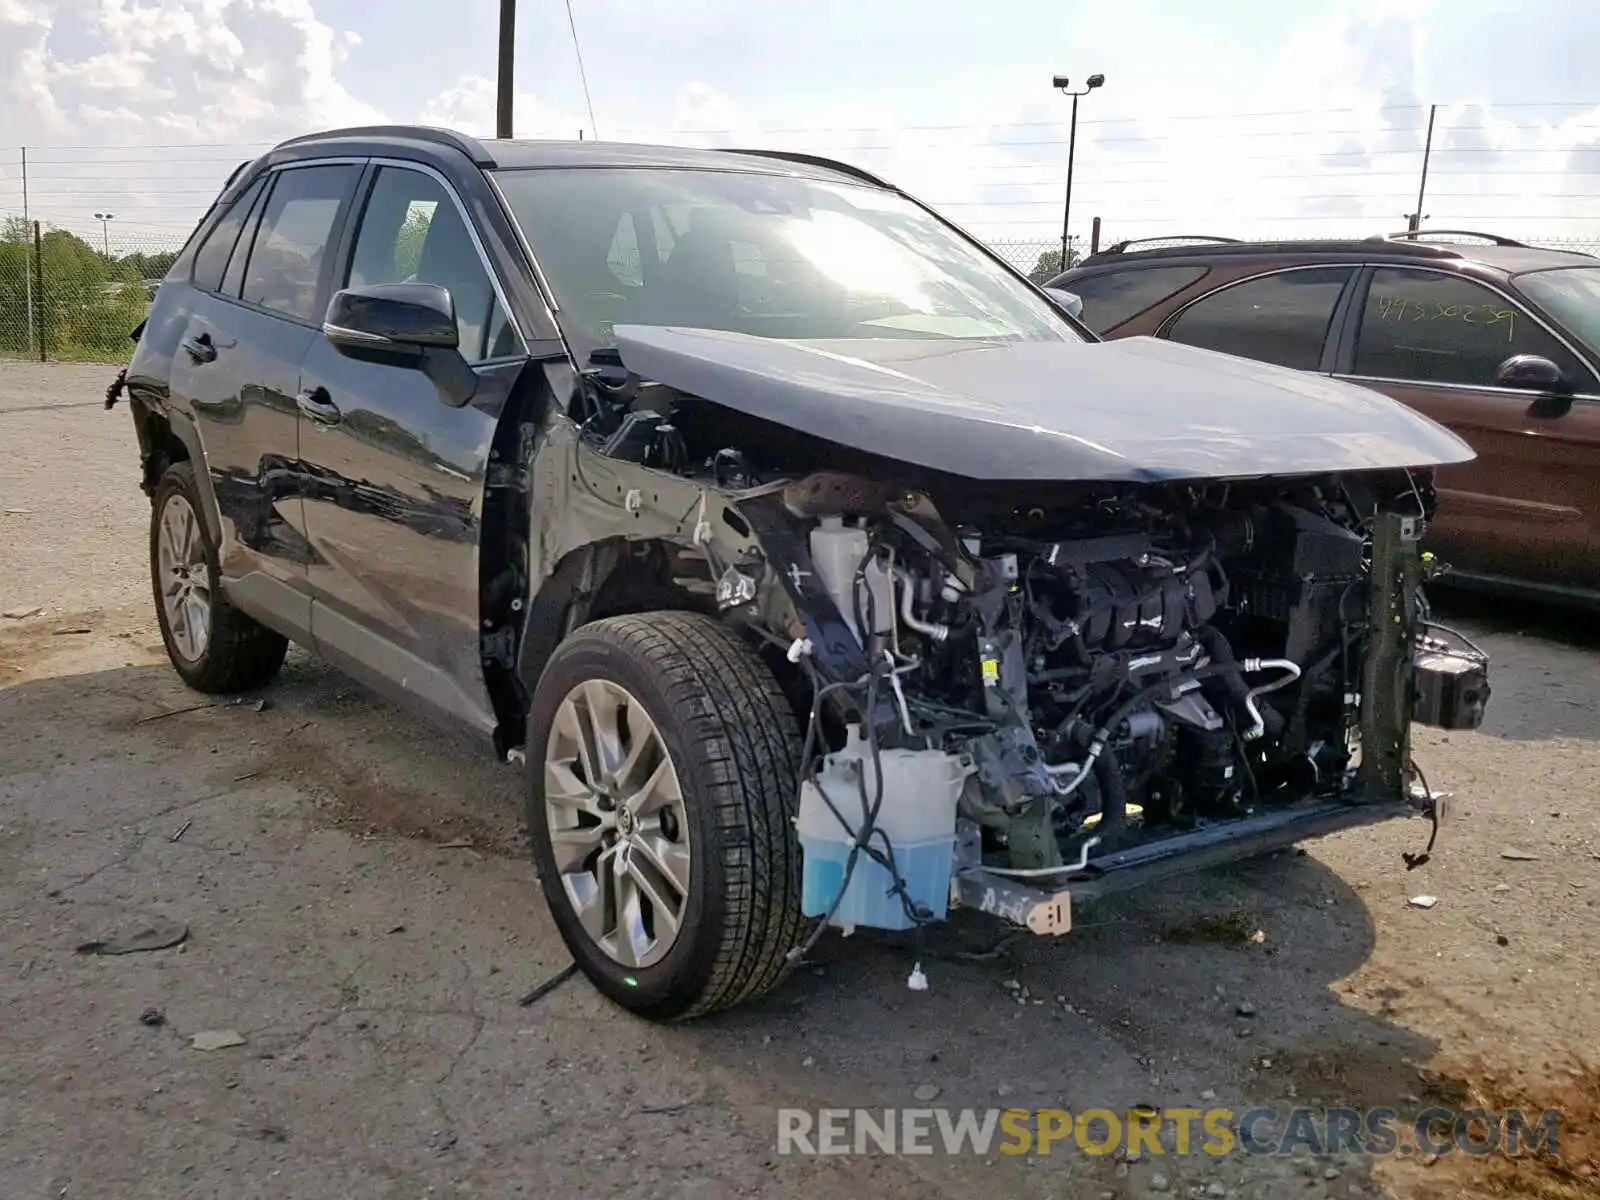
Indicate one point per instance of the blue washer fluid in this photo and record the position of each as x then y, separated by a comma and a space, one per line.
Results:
918, 813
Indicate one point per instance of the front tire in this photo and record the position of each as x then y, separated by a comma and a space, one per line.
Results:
214, 647
663, 757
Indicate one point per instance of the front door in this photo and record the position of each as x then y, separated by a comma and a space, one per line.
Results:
1526, 508
393, 476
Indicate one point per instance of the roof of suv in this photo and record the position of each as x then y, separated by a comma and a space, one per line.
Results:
1501, 254
492, 153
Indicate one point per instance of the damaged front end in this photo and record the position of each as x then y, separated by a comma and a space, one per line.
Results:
1023, 695
1061, 700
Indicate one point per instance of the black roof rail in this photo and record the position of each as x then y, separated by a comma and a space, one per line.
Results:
1411, 235
471, 147
1123, 246
818, 160
1230, 248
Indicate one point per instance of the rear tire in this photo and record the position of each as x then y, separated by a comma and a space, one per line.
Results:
213, 646
715, 813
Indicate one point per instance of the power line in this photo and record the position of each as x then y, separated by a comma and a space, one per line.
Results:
583, 76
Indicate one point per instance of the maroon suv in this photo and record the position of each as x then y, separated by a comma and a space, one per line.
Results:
1498, 341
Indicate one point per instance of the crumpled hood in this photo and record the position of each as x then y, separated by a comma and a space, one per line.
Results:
1137, 409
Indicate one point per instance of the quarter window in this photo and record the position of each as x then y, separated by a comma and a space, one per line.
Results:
1281, 318
412, 232
1437, 328
1118, 296
285, 267
211, 260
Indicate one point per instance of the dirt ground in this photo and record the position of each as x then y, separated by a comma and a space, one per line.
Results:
360, 909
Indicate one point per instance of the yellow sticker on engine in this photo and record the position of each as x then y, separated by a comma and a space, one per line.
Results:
991, 671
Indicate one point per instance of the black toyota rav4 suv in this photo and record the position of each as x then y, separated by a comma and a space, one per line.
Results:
820, 569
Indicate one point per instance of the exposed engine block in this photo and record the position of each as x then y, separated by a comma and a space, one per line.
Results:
1118, 670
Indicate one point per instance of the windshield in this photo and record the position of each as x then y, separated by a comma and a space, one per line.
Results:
768, 255
1572, 296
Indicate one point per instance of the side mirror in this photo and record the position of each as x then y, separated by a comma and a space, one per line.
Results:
1070, 301
1531, 373
398, 316
405, 324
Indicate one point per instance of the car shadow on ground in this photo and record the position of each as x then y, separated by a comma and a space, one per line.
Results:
1214, 985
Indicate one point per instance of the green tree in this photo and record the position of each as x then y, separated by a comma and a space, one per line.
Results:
16, 260
151, 266
90, 303
1049, 265
408, 243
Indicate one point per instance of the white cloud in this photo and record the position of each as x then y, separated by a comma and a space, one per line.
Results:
170, 94
468, 105
239, 74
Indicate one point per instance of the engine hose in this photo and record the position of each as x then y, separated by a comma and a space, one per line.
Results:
1219, 652
1232, 677
1113, 794
908, 612
1097, 743
1291, 672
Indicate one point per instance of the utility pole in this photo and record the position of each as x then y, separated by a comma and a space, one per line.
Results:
27, 275
1415, 221
38, 286
507, 81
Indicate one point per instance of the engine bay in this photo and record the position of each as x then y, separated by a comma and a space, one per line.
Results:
1068, 668
1130, 665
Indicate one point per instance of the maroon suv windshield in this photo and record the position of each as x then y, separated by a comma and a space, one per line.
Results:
1572, 296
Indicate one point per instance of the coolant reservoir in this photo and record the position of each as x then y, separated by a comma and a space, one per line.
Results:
918, 813
837, 550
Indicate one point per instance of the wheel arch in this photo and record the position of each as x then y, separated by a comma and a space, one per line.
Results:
167, 437
611, 577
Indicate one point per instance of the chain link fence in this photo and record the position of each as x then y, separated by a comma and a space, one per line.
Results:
70, 297
63, 298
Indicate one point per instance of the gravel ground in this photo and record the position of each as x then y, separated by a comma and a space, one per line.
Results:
360, 910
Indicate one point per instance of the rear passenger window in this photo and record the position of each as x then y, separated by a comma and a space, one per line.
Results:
1118, 296
1436, 328
1281, 318
233, 279
211, 260
285, 265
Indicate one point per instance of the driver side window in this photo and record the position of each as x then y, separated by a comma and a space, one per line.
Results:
1437, 328
412, 231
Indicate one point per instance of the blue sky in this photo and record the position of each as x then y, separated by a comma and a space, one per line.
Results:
1237, 117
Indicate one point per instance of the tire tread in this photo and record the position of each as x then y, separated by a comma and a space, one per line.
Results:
731, 708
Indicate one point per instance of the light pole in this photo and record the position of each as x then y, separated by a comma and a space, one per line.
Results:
105, 220
1064, 86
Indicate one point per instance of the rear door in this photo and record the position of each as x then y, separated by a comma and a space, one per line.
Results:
258, 279
394, 476
1113, 299
1525, 507
1285, 317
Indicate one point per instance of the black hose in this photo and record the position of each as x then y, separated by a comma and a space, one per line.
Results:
1113, 793
870, 806
1219, 652
1232, 676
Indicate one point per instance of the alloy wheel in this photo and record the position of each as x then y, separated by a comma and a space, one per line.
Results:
184, 578
617, 821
